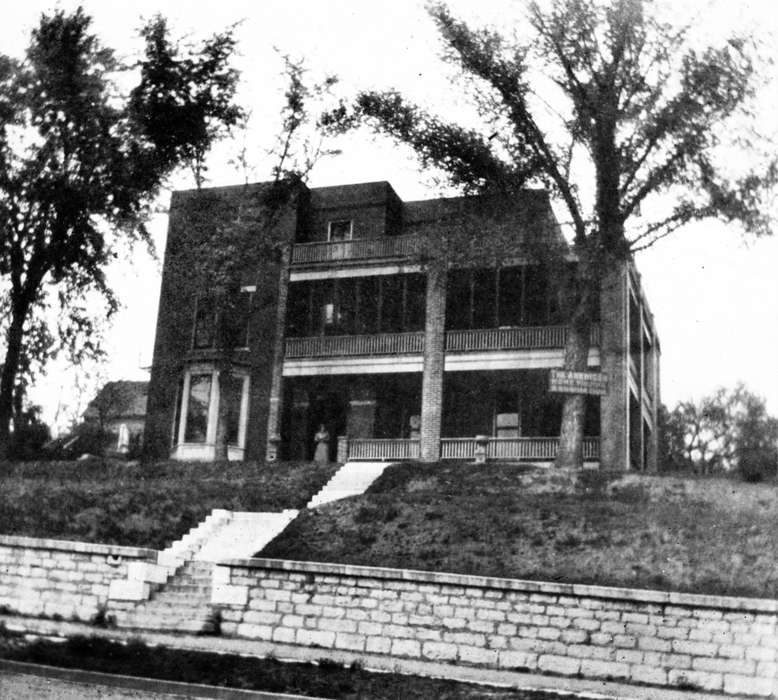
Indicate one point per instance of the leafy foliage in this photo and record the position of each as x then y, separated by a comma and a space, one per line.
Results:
611, 110
729, 430
77, 160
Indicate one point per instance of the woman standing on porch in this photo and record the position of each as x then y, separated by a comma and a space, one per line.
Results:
322, 438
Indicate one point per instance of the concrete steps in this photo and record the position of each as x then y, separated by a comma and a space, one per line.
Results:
244, 535
352, 479
182, 605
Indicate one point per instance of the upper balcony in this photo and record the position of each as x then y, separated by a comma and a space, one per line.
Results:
357, 250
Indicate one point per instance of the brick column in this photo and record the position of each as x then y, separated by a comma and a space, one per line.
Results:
614, 348
434, 359
276, 378
360, 421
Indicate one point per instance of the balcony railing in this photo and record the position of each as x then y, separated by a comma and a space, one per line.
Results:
356, 249
351, 345
530, 448
521, 338
484, 340
383, 449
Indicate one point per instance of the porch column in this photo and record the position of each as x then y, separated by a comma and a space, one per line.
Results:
434, 359
361, 409
276, 376
614, 363
299, 430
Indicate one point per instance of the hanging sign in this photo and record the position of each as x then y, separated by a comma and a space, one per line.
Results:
563, 381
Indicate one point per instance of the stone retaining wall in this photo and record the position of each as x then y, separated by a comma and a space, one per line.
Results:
713, 643
54, 578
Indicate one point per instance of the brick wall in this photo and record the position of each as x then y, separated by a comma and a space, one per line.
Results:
712, 643
613, 351
52, 578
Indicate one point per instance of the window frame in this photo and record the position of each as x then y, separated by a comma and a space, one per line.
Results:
213, 407
350, 235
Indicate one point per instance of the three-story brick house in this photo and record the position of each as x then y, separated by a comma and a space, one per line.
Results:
351, 321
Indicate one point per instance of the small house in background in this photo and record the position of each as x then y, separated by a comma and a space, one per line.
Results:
119, 410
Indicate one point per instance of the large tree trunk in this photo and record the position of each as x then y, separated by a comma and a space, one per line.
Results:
13, 353
570, 453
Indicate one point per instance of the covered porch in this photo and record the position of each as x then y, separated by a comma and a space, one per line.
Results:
491, 415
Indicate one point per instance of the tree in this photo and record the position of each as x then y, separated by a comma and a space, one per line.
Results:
602, 98
80, 163
728, 430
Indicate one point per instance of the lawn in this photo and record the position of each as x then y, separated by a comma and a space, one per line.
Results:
712, 535
146, 506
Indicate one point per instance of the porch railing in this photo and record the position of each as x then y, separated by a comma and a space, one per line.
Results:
356, 249
349, 345
538, 448
521, 338
383, 449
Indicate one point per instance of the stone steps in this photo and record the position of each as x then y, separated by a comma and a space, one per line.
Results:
244, 535
182, 605
352, 479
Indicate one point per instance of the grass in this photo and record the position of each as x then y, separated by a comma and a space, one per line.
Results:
145, 506
325, 679
702, 535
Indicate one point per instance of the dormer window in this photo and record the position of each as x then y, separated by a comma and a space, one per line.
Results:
341, 230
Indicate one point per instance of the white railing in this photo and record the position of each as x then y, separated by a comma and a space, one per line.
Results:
518, 338
365, 449
356, 249
349, 345
538, 448
457, 448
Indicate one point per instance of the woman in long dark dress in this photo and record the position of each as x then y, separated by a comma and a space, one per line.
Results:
322, 438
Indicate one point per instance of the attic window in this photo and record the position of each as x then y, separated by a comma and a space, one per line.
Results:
341, 230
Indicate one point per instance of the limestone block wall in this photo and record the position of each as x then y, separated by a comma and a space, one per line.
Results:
713, 643
53, 578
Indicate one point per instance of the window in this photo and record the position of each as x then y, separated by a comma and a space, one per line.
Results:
510, 296
205, 322
341, 230
200, 407
232, 396
198, 404
232, 314
236, 314
484, 298
506, 415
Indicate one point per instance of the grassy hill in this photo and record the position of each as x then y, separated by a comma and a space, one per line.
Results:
151, 506
712, 535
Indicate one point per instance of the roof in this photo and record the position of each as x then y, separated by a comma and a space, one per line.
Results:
119, 399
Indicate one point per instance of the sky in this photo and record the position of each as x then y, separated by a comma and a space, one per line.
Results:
714, 295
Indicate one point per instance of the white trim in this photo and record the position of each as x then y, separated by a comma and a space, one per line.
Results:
358, 365
522, 359
459, 362
206, 450
361, 271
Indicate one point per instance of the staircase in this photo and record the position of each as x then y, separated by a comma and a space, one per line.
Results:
244, 535
351, 479
183, 604
175, 593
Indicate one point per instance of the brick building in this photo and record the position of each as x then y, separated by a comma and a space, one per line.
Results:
350, 320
